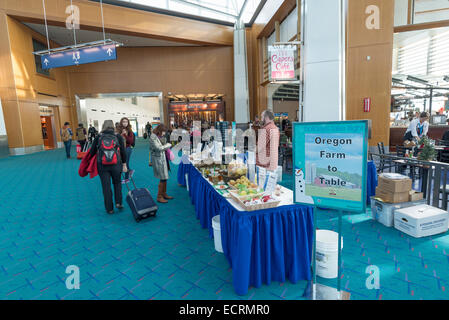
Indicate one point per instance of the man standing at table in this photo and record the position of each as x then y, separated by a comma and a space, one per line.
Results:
418, 128
268, 142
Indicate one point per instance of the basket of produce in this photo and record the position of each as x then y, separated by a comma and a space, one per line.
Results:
242, 183
253, 202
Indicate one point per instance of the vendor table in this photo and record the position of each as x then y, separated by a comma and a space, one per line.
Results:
260, 246
371, 182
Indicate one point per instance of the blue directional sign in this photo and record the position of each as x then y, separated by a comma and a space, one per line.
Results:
79, 56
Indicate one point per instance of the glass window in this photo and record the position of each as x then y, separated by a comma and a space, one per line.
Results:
39, 46
224, 10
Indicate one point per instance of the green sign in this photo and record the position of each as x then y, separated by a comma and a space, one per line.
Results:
330, 160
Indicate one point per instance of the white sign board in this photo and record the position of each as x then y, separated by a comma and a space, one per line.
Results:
282, 62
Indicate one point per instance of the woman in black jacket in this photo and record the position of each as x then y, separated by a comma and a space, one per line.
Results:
111, 161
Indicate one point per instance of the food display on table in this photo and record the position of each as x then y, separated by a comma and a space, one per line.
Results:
236, 168
242, 183
256, 201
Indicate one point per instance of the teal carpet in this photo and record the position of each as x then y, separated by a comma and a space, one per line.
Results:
51, 218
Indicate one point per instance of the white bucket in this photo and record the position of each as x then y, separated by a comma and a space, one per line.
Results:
327, 253
217, 233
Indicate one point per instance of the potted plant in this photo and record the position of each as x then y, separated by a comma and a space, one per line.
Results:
428, 152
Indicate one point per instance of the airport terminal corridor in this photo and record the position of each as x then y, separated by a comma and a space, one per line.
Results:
51, 218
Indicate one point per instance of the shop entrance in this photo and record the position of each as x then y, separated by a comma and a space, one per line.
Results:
48, 127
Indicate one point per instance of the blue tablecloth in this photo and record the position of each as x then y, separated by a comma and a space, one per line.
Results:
182, 170
371, 182
260, 246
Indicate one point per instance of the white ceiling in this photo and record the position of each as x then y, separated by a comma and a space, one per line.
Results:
403, 38
64, 37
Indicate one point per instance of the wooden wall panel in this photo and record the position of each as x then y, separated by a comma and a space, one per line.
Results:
29, 89
179, 70
370, 78
358, 34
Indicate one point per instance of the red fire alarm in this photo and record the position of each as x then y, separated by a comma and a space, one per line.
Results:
367, 104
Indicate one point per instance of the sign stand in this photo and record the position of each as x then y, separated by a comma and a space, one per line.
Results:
319, 291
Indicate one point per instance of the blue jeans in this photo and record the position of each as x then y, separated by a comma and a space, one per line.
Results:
68, 146
129, 151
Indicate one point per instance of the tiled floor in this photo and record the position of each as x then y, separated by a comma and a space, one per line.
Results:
51, 218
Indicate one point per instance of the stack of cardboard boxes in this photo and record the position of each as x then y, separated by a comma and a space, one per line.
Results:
396, 204
396, 188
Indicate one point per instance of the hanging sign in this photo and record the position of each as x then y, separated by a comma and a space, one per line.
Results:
330, 160
282, 62
79, 56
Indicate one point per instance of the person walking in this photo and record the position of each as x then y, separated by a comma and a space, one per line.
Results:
81, 134
159, 161
127, 133
66, 136
111, 162
92, 133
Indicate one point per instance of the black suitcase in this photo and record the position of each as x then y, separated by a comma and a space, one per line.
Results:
140, 202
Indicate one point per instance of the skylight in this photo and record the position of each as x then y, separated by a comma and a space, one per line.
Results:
222, 10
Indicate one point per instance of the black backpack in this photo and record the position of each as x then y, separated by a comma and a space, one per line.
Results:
108, 149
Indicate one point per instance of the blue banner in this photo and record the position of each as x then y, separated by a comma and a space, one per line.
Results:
330, 160
79, 56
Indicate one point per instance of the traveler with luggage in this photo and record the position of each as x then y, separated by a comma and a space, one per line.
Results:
111, 162
92, 133
159, 161
66, 136
127, 133
81, 135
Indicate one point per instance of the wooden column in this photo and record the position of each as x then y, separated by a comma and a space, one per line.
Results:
277, 30
369, 66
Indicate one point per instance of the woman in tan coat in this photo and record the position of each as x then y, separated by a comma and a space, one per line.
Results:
159, 161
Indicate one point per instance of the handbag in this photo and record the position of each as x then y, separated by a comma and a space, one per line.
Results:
169, 154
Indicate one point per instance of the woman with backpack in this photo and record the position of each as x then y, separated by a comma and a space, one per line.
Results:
159, 161
127, 133
81, 135
111, 162
66, 136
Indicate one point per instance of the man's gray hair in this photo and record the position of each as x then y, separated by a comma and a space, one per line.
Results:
269, 114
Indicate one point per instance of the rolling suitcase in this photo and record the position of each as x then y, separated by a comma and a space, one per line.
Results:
141, 203
80, 155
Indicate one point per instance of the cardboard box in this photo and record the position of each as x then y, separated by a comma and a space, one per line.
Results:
392, 197
394, 182
421, 221
384, 212
416, 196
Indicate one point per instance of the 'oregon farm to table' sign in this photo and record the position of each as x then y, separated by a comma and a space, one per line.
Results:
282, 62
330, 160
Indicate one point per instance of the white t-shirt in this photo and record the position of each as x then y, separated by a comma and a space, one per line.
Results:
418, 129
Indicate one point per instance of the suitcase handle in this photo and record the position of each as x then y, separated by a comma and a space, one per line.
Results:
126, 183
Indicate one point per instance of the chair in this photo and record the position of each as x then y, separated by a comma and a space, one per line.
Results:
381, 148
444, 156
400, 152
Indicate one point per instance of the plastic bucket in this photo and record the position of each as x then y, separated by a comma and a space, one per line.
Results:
217, 233
327, 253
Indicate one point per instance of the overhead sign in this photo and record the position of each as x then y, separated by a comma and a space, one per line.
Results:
330, 160
282, 62
79, 56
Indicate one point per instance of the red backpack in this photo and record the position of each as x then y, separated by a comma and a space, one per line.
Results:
109, 149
